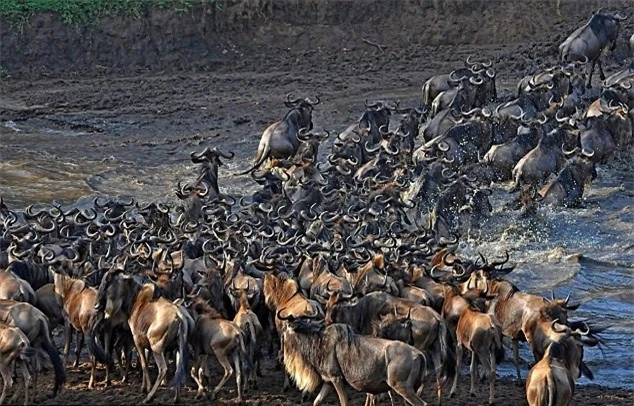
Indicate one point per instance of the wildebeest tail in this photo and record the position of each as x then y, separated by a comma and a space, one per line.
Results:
51, 351
498, 348
245, 355
552, 390
261, 156
182, 356
447, 354
423, 369
426, 93
94, 348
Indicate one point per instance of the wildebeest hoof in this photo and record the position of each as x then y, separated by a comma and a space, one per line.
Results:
451, 395
472, 394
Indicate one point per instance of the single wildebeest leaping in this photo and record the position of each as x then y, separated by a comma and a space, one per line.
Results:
588, 42
280, 140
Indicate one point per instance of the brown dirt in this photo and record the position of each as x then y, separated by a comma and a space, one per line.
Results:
137, 95
270, 392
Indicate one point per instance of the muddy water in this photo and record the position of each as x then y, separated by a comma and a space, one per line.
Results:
587, 252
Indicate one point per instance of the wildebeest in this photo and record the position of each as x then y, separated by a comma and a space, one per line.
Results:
589, 41
335, 355
253, 335
503, 157
13, 287
156, 325
212, 334
279, 140
428, 329
78, 304
542, 161
16, 353
567, 189
481, 334
548, 382
34, 324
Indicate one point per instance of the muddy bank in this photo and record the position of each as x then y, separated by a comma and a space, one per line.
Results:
269, 392
219, 36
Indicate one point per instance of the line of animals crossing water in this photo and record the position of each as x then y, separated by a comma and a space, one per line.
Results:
346, 266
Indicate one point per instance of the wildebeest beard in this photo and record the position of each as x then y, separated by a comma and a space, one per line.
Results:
310, 347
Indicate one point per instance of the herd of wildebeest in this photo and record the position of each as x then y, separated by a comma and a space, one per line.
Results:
347, 266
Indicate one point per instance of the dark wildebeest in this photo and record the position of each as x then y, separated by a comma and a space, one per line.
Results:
567, 189
335, 355
279, 140
590, 41
503, 157
542, 161
429, 331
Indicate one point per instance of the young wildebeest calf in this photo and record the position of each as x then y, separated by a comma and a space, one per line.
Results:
78, 304
250, 325
481, 334
214, 335
549, 382
15, 348
156, 324
334, 355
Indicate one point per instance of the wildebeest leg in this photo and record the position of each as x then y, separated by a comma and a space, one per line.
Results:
80, 343
410, 397
68, 336
237, 366
93, 369
341, 392
159, 358
325, 390
27, 381
601, 74
107, 344
458, 365
492, 376
589, 84
516, 361
474, 373
7, 379
145, 385
198, 372
224, 361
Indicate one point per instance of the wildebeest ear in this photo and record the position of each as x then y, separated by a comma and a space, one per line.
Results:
379, 261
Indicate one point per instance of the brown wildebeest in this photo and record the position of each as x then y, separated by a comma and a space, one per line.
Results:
250, 325
78, 304
213, 334
12, 287
481, 334
155, 323
549, 382
316, 354
34, 324
16, 350
49, 305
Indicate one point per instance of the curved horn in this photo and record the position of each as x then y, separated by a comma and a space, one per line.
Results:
587, 152
552, 325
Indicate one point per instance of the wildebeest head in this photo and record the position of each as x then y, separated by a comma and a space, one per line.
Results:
376, 116
301, 111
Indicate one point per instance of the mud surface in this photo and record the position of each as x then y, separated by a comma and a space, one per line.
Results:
116, 109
